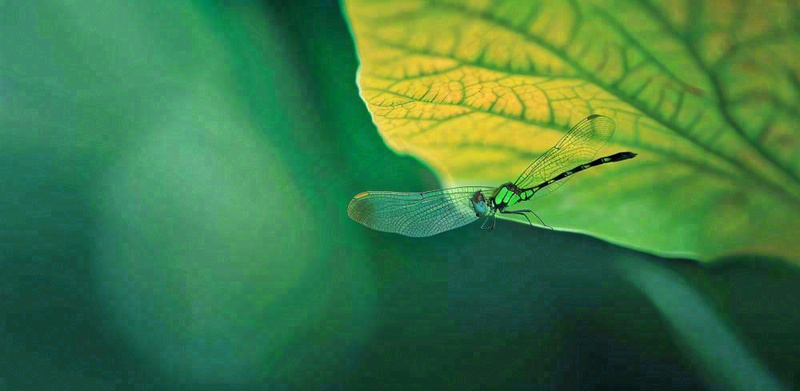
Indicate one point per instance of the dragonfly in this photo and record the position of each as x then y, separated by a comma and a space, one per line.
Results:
422, 214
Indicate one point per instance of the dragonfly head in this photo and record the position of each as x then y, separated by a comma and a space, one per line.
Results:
479, 204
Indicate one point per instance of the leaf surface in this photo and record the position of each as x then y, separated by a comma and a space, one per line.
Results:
706, 92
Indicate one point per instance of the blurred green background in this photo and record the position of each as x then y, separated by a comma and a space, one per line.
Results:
175, 177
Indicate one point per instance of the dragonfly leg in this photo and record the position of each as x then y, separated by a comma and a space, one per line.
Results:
485, 224
522, 212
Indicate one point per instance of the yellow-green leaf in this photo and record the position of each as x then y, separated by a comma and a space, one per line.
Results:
706, 92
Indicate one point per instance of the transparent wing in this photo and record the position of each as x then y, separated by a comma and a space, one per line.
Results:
416, 214
577, 147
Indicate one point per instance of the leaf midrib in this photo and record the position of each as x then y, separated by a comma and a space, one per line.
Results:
646, 53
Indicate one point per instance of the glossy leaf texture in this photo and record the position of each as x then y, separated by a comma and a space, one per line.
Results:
706, 92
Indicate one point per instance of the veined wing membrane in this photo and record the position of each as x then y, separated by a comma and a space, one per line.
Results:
415, 214
578, 146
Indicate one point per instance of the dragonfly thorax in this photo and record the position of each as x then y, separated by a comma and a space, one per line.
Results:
479, 204
505, 195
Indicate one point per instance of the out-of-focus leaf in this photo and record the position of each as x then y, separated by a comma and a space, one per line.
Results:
145, 151
706, 92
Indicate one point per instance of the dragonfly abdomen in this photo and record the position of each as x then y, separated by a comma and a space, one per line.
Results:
603, 160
